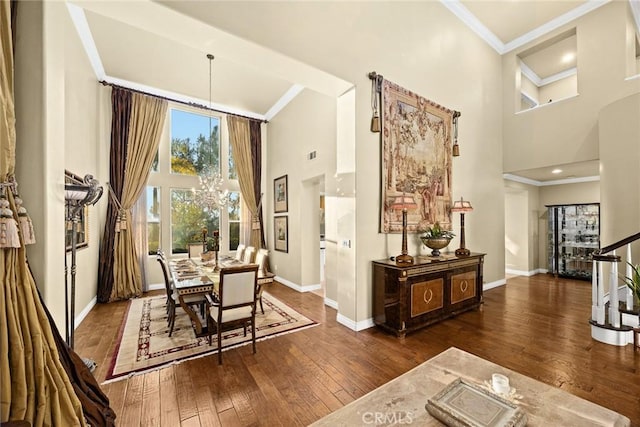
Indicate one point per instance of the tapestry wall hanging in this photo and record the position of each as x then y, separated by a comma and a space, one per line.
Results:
416, 161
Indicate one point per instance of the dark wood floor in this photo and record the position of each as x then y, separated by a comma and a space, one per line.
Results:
537, 326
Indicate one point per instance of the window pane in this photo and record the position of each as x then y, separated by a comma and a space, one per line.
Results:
234, 206
188, 220
153, 219
191, 151
154, 165
232, 165
234, 220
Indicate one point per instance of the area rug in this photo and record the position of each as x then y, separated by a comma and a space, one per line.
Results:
144, 343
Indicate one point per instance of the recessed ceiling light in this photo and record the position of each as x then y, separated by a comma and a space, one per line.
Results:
568, 57
556, 171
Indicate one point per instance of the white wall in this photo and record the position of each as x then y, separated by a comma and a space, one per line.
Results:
58, 127
620, 172
567, 131
417, 45
307, 124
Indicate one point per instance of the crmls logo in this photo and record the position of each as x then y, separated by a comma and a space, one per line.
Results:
377, 418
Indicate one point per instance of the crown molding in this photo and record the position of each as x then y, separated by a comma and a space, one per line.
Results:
536, 183
530, 74
559, 76
554, 24
456, 7
470, 20
283, 101
84, 32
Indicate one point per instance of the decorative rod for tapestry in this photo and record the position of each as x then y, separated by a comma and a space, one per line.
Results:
192, 104
376, 101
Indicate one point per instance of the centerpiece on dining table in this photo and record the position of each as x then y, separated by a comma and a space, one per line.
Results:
436, 238
212, 247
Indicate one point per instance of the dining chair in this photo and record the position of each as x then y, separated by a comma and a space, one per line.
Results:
261, 261
194, 250
234, 304
247, 257
240, 252
172, 295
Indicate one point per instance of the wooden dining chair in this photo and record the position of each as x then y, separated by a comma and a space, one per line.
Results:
234, 304
172, 295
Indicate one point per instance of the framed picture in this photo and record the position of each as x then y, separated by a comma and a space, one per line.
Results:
280, 194
281, 233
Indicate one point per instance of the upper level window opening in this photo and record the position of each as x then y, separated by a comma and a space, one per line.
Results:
548, 71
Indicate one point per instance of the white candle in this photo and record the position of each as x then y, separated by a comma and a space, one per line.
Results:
500, 384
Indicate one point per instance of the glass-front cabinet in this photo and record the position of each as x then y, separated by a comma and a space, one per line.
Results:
573, 235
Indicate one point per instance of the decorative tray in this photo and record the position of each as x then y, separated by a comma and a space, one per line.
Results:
463, 404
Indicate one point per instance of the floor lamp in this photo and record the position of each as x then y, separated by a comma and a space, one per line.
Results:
77, 194
403, 203
462, 206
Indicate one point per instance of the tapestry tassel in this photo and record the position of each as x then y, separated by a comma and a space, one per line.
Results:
9, 237
376, 82
26, 226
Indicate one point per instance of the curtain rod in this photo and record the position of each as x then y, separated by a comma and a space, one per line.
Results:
191, 104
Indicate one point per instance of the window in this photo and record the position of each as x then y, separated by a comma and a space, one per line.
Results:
548, 71
184, 153
153, 219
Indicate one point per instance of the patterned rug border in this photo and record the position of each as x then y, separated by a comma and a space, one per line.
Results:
110, 378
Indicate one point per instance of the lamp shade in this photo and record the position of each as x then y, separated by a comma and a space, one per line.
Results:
403, 202
461, 206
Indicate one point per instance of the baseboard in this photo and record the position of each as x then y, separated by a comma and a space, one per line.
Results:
354, 326
295, 286
525, 273
491, 285
155, 286
331, 303
80, 317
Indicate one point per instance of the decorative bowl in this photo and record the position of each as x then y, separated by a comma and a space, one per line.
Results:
435, 243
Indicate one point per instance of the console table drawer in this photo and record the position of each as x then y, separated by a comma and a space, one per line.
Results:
427, 296
463, 286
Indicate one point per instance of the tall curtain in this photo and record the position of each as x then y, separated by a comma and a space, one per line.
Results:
145, 128
256, 156
239, 135
140, 240
34, 385
120, 114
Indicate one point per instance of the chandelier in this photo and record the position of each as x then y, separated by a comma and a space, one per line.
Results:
211, 196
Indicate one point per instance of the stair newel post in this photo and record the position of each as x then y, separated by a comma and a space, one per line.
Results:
628, 274
614, 298
594, 290
600, 315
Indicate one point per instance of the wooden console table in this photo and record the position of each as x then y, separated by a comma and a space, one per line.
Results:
406, 298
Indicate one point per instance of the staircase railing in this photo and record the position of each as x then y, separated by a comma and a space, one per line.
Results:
617, 322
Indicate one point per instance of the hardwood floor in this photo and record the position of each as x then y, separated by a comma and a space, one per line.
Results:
537, 326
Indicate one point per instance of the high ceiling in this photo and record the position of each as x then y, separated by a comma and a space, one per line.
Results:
151, 46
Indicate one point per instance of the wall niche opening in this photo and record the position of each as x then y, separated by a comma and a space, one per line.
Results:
548, 71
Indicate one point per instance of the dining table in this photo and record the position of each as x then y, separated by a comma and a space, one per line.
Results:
194, 276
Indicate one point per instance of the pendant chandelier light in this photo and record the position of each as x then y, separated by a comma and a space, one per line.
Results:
211, 196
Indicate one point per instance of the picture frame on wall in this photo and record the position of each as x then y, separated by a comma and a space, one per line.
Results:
280, 194
281, 233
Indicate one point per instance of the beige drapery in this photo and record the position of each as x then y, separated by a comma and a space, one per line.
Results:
33, 383
145, 128
240, 137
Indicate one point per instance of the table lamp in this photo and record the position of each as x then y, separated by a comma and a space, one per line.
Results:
402, 203
462, 206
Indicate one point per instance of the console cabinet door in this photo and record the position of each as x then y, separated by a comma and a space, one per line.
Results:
463, 288
427, 296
